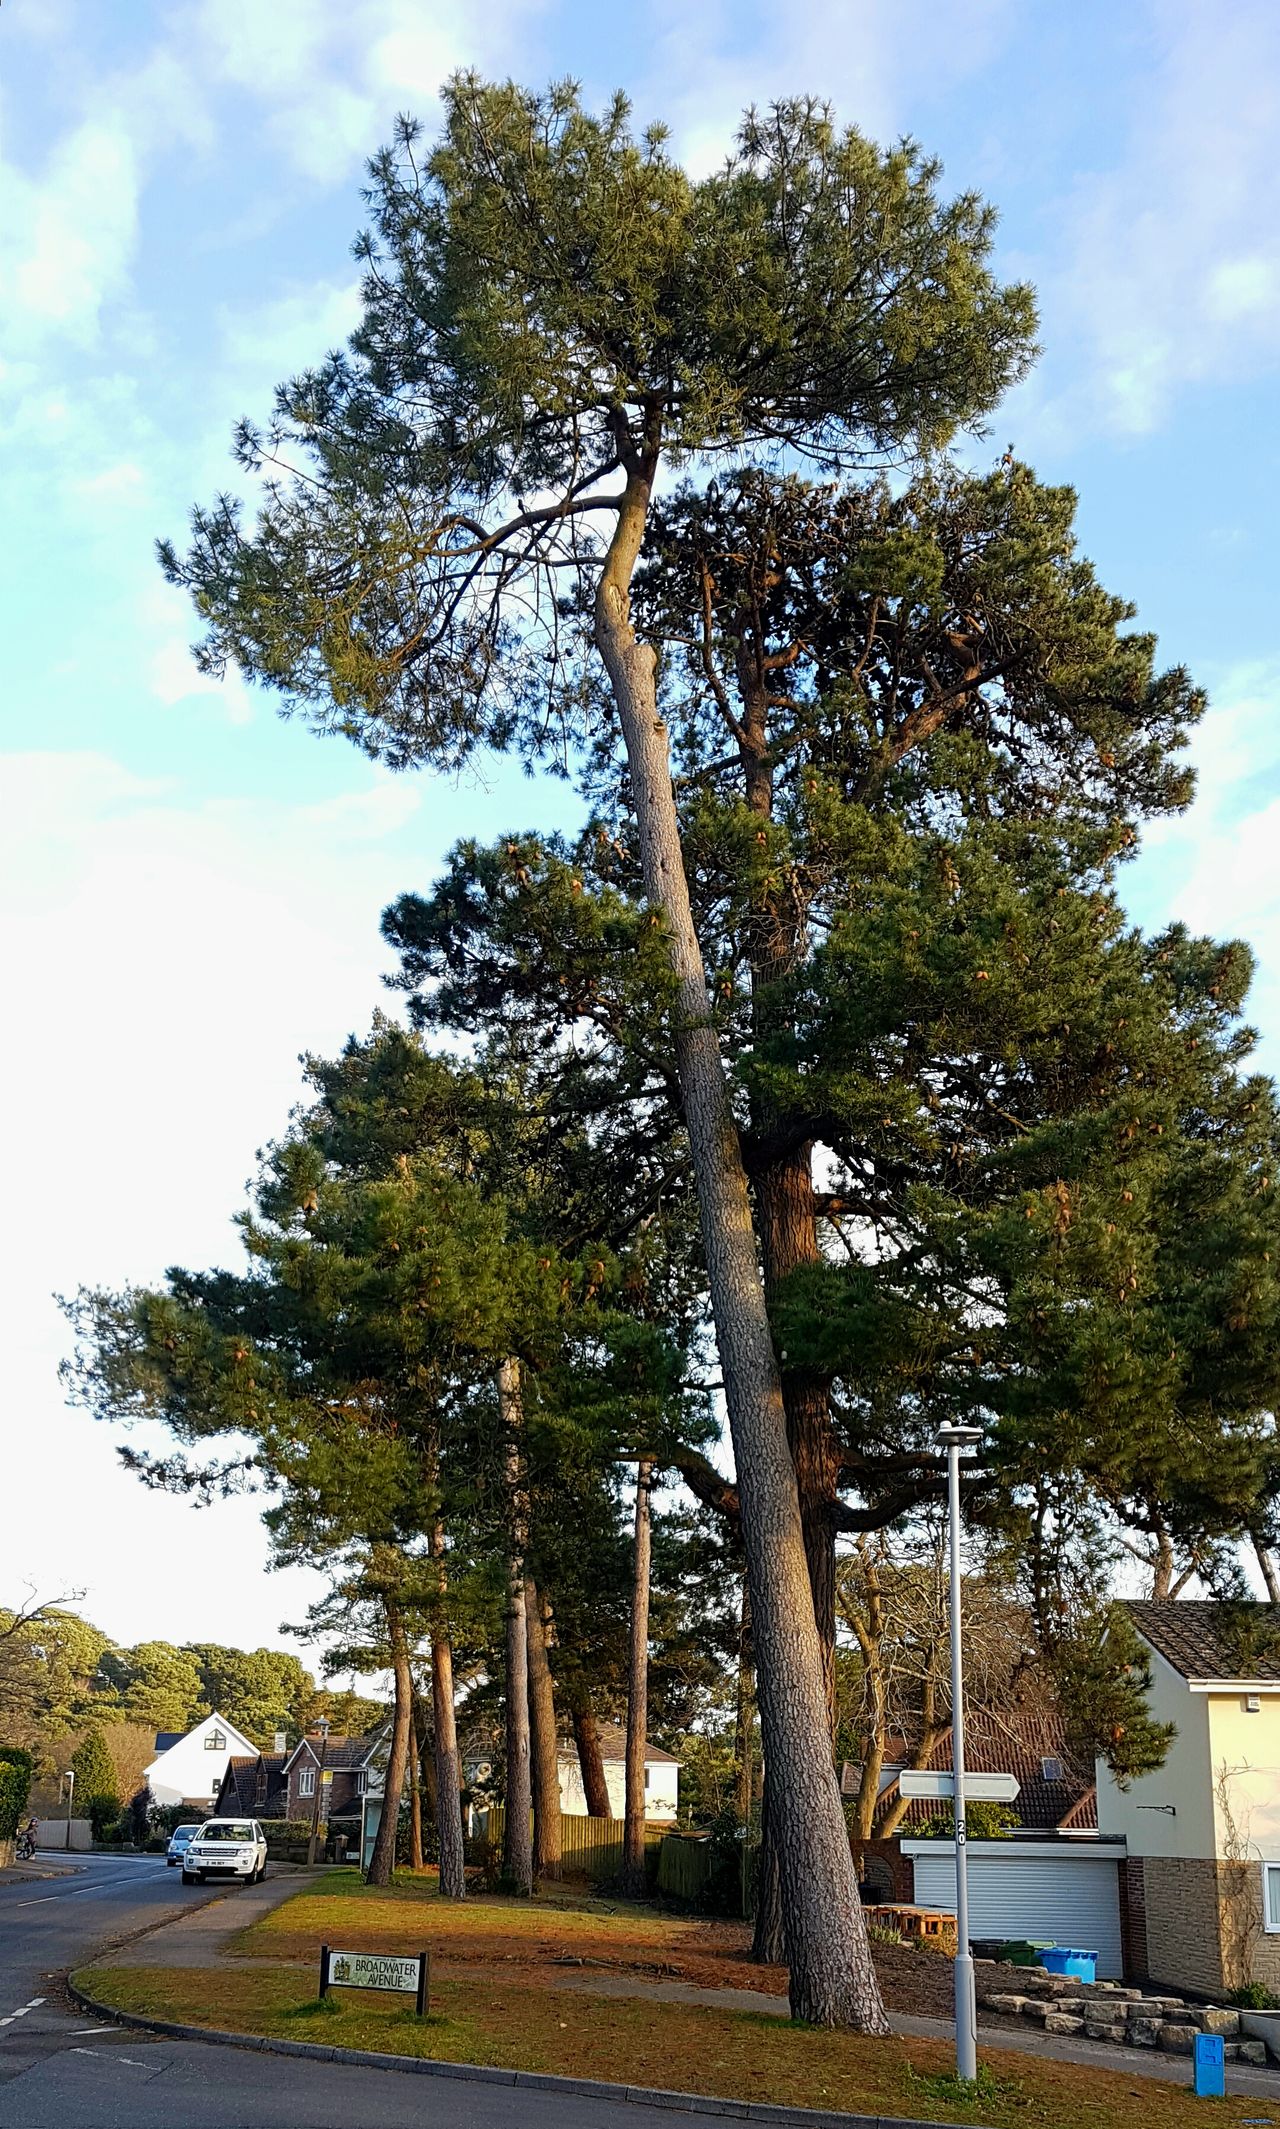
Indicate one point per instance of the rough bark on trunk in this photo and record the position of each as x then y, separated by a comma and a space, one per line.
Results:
786, 1210
633, 1877
744, 1717
1267, 1566
383, 1860
416, 1857
448, 1774
768, 1942
831, 1975
517, 1845
1162, 1566
586, 1736
543, 1743
786, 1204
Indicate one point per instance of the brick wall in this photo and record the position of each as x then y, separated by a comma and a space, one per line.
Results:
1133, 1918
1184, 1938
884, 1864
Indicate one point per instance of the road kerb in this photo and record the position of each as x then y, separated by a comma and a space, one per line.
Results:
532, 2080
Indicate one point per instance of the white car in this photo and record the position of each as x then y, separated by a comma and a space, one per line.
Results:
226, 1848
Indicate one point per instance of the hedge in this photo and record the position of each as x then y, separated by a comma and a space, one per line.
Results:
15, 1788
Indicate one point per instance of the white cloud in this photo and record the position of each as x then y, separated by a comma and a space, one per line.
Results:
1174, 249
1215, 868
875, 60
68, 235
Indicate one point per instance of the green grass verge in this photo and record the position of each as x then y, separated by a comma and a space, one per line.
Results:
483, 2016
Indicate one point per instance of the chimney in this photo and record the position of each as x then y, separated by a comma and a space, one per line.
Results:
282, 1741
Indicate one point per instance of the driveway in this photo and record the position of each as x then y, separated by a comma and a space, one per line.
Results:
59, 2070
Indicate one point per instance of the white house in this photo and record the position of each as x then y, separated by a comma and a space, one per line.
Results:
1202, 1832
189, 1769
661, 1776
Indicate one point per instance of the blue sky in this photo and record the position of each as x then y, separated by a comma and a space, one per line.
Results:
192, 887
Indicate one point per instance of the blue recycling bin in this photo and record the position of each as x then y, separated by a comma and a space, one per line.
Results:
1064, 1959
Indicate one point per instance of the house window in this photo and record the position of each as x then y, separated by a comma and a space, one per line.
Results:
307, 1782
216, 1741
1051, 1770
362, 1782
1271, 1899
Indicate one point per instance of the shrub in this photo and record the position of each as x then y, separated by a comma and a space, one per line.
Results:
15, 1788
104, 1819
1253, 1996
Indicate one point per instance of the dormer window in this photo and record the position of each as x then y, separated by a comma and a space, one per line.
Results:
307, 1781
1051, 1769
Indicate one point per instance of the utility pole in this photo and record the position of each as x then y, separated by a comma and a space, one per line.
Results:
70, 1779
954, 1439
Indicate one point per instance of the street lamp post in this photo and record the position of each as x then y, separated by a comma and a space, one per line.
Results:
323, 1727
70, 1779
953, 1440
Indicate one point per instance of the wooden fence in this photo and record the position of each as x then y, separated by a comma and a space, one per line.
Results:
589, 1848
684, 1865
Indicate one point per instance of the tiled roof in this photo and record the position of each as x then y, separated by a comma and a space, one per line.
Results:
1018, 1742
240, 1782
613, 1745
1204, 1640
344, 1754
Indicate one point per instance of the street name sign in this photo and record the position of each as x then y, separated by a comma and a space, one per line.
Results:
940, 1788
376, 1970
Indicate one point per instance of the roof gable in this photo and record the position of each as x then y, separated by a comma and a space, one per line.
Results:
238, 1744
613, 1746
1018, 1742
1226, 1642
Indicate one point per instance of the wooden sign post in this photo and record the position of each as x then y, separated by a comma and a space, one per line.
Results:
377, 1970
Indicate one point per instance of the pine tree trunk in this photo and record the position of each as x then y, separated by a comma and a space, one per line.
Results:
768, 1942
744, 1716
633, 1871
517, 1844
586, 1736
426, 1735
417, 1861
1267, 1564
543, 1742
383, 1860
448, 1774
785, 1208
832, 1979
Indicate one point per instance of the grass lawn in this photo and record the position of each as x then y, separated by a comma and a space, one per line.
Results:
488, 1952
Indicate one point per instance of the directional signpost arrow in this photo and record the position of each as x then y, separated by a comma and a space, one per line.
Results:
978, 1788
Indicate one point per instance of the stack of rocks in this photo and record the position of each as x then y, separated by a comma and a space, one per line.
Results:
1107, 2012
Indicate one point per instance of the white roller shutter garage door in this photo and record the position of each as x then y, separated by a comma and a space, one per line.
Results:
1016, 1889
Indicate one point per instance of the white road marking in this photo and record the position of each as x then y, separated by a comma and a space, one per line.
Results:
81, 2031
80, 1890
103, 2055
22, 2010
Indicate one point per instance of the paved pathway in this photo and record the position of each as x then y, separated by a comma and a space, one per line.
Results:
1093, 2055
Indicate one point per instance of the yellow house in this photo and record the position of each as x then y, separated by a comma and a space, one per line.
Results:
1200, 1887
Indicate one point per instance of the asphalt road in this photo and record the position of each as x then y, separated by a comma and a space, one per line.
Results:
60, 2070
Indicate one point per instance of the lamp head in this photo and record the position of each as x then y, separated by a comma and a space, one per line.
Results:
953, 1435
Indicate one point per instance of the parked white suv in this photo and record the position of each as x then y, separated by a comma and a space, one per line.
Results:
226, 1848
